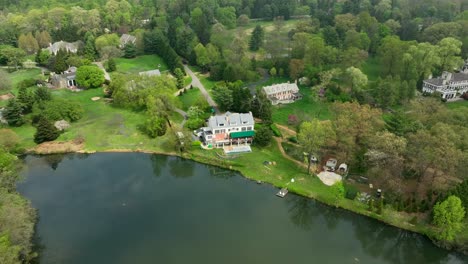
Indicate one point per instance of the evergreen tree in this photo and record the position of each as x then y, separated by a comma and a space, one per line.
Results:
261, 107
263, 136
13, 113
90, 48
179, 74
45, 131
60, 62
130, 50
43, 94
256, 41
26, 99
111, 65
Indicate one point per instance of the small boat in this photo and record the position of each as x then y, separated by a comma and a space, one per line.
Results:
282, 193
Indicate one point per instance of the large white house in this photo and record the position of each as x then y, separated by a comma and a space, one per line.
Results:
228, 129
283, 93
450, 84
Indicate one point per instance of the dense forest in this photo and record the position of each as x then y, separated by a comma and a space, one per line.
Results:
364, 59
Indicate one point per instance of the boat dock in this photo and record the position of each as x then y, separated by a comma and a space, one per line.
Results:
282, 193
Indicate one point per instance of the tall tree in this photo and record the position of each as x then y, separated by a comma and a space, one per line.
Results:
312, 137
449, 216
257, 38
45, 131
13, 113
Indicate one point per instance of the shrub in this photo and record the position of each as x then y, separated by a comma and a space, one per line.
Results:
351, 192
275, 130
293, 139
262, 136
196, 143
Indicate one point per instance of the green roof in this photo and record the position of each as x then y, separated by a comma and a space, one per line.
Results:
243, 134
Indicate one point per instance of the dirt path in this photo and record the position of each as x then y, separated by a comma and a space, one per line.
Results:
106, 74
286, 156
286, 130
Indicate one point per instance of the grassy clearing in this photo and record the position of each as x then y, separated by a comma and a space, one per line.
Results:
18, 76
103, 126
307, 108
140, 63
371, 68
189, 98
457, 105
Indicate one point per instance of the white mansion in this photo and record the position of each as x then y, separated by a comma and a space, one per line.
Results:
450, 85
228, 129
283, 93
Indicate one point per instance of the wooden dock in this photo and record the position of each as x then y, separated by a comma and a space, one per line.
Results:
282, 193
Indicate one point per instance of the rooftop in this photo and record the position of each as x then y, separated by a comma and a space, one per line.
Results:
281, 87
231, 120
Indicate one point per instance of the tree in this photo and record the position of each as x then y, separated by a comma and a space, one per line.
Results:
179, 74
111, 65
312, 136
449, 50
130, 50
263, 136
227, 16
155, 126
296, 67
273, 72
223, 97
59, 62
356, 79
257, 38
13, 56
13, 113
28, 43
200, 25
25, 98
43, 39
45, 131
90, 48
5, 82
243, 20
203, 59
42, 94
9, 254
448, 216
261, 107
89, 77
42, 57
338, 191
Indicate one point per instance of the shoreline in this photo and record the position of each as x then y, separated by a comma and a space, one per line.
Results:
421, 230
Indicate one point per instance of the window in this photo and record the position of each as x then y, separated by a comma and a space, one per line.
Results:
216, 131
249, 128
244, 128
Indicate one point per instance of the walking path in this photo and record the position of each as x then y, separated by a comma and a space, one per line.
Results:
106, 74
196, 83
286, 156
183, 114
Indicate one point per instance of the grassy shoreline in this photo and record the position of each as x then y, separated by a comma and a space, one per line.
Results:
305, 185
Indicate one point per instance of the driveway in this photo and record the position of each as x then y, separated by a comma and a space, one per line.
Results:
196, 83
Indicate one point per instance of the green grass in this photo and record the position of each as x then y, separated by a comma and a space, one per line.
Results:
372, 68
457, 105
18, 76
103, 126
139, 64
306, 108
189, 98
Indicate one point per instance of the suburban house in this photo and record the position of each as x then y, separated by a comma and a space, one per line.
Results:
450, 85
283, 93
71, 47
228, 129
64, 80
126, 39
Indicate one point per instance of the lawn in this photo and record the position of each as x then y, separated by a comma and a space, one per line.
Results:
189, 98
18, 76
457, 105
307, 108
103, 126
140, 63
371, 68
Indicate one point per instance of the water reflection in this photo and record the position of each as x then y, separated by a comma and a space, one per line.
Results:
302, 211
181, 168
53, 160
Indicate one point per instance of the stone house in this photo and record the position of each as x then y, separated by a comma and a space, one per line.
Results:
126, 39
71, 47
283, 93
66, 79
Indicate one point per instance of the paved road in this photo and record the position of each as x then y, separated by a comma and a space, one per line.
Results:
196, 83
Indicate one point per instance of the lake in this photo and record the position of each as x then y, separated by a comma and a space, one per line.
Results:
140, 208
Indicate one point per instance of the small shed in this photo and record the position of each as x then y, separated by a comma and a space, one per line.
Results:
343, 168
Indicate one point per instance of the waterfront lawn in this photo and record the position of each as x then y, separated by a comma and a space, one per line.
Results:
103, 127
306, 108
140, 63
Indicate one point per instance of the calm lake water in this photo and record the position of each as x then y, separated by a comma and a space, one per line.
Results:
137, 208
